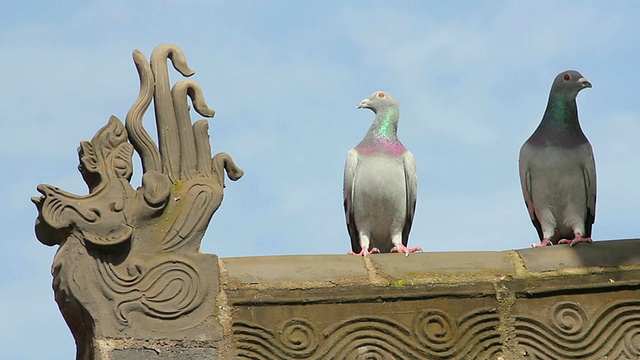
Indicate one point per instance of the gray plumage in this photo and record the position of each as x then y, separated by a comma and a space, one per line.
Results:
380, 184
557, 168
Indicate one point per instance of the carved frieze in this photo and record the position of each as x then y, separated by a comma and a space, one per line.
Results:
401, 330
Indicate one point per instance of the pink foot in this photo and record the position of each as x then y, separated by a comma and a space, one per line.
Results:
577, 239
403, 249
365, 252
543, 243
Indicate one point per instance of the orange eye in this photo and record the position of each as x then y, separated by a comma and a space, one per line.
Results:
567, 77
380, 95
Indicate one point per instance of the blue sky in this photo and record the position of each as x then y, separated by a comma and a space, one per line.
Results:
284, 78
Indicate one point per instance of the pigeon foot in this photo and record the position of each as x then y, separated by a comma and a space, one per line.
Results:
365, 252
543, 243
577, 239
400, 248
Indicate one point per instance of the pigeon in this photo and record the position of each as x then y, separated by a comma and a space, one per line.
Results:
557, 169
380, 184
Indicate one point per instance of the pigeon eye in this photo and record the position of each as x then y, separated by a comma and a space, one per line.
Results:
381, 95
567, 77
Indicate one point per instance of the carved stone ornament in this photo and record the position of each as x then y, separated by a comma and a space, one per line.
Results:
128, 262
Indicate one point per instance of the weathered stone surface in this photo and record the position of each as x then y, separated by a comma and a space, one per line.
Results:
165, 354
384, 317
597, 254
129, 264
478, 305
576, 325
313, 269
400, 329
435, 267
474, 305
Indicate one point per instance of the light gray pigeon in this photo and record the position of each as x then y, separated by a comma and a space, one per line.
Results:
557, 169
380, 184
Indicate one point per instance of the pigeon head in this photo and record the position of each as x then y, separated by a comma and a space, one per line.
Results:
569, 83
378, 102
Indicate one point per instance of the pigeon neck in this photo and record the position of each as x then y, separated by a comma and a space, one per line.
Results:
385, 125
560, 124
561, 113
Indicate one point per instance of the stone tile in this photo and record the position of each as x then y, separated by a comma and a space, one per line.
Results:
417, 265
596, 254
287, 269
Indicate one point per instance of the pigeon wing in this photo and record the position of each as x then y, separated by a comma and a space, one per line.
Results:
525, 183
411, 183
350, 169
589, 173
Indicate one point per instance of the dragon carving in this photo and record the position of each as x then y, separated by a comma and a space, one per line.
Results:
128, 262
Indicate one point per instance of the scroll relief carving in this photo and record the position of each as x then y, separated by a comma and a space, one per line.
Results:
128, 262
434, 334
568, 332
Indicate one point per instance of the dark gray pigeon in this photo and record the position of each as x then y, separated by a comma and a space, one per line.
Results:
557, 169
380, 184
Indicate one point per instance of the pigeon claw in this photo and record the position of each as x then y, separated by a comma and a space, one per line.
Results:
577, 239
365, 252
400, 248
543, 243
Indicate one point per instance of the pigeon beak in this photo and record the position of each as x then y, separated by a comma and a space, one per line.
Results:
363, 104
584, 82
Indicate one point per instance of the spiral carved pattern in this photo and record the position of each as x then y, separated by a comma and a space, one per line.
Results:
167, 290
568, 318
632, 343
434, 334
613, 332
370, 353
298, 336
434, 328
258, 342
568, 330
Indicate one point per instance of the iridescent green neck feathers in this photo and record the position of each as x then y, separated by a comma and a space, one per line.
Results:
385, 124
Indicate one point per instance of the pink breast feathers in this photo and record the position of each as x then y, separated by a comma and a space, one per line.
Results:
393, 148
